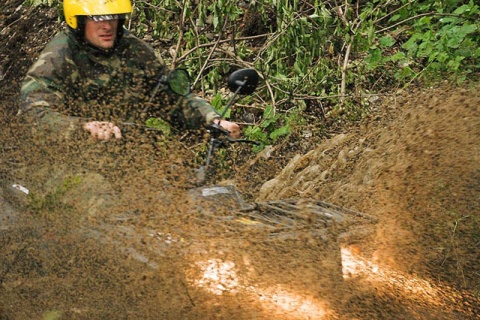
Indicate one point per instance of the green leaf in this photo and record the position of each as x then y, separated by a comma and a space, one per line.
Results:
159, 124
371, 34
411, 45
52, 315
468, 29
375, 56
268, 112
386, 41
404, 73
282, 131
462, 9
397, 56
449, 20
395, 17
217, 101
424, 49
255, 133
454, 42
424, 21
442, 57
297, 68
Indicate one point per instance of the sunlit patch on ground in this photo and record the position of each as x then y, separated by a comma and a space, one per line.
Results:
220, 277
354, 265
294, 304
217, 276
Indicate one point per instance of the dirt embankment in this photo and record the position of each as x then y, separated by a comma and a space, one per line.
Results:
416, 167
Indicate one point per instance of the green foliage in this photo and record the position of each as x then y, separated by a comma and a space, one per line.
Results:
448, 44
48, 3
159, 124
52, 315
53, 199
273, 126
334, 52
313, 48
220, 104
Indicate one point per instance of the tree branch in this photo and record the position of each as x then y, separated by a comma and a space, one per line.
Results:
416, 17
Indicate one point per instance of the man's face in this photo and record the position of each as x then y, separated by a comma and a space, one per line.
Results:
101, 34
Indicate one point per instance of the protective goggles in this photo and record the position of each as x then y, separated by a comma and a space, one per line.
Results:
107, 17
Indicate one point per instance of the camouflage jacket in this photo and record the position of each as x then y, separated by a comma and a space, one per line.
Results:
72, 82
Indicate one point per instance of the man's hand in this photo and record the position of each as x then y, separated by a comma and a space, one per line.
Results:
103, 130
232, 127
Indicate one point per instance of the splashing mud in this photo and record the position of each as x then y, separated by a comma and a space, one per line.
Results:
109, 231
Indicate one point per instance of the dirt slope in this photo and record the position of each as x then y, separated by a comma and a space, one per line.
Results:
414, 163
416, 167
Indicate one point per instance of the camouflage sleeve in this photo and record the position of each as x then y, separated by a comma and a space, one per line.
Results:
189, 111
196, 111
186, 112
42, 90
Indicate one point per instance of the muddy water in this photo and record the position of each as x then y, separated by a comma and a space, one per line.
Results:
103, 239
108, 231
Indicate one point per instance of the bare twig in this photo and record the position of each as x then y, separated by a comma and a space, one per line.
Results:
210, 55
26, 14
199, 56
275, 36
392, 12
130, 20
347, 51
344, 72
11, 24
156, 7
203, 45
181, 26
4, 74
416, 17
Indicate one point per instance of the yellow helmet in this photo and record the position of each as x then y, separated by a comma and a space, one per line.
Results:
92, 8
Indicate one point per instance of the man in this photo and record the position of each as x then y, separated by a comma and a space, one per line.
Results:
95, 76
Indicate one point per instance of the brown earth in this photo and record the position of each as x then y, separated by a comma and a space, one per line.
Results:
413, 163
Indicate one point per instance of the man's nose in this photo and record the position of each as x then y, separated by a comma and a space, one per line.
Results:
107, 24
